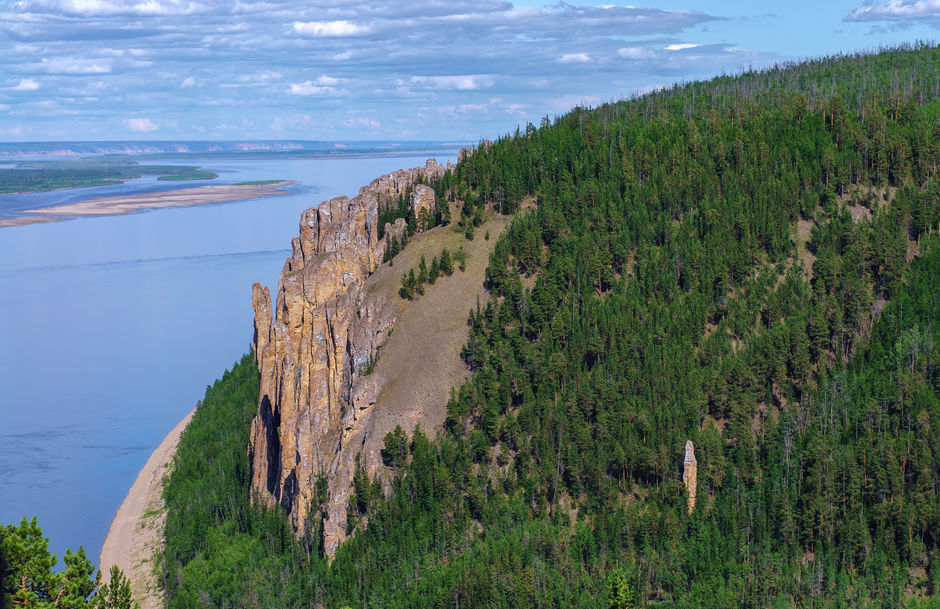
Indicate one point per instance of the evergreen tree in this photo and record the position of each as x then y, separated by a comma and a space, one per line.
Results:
447, 266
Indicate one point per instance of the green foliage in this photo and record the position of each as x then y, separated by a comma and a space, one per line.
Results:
395, 452
412, 284
28, 577
447, 265
117, 593
619, 593
725, 262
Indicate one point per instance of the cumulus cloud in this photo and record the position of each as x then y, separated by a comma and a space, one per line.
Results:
280, 60
26, 84
925, 11
93, 8
469, 82
296, 121
635, 53
140, 125
73, 65
324, 85
328, 28
574, 58
368, 123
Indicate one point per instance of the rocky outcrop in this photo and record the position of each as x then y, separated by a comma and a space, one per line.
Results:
314, 344
690, 473
422, 202
393, 185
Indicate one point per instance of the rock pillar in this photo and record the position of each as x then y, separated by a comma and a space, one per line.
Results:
690, 473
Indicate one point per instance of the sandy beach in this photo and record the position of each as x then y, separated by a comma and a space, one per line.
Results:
136, 532
183, 197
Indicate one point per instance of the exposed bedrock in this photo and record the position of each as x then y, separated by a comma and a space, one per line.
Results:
690, 473
314, 344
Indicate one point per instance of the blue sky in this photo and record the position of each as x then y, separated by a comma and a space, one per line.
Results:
425, 69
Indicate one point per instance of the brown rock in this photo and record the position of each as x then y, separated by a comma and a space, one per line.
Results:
422, 202
315, 347
690, 473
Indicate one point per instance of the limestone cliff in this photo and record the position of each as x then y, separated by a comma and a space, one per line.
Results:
312, 345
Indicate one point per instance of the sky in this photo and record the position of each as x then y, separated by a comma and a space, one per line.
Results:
441, 70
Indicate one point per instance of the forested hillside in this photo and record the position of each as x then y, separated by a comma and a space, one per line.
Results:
749, 263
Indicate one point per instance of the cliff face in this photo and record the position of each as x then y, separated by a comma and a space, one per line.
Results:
312, 347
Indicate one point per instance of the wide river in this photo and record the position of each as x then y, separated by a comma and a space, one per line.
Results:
112, 327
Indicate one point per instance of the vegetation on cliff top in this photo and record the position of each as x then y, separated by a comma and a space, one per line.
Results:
750, 263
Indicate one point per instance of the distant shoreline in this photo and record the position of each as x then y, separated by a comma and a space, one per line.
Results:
125, 204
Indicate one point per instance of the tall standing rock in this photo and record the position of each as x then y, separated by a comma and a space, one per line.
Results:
690, 473
311, 348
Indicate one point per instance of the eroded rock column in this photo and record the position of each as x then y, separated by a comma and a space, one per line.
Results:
690, 473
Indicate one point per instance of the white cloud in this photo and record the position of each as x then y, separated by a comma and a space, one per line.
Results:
140, 125
635, 53
460, 83
26, 84
114, 7
898, 10
575, 58
318, 87
291, 122
328, 28
362, 122
367, 63
680, 46
73, 65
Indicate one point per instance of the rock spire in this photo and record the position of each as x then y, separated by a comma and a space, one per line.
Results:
690, 473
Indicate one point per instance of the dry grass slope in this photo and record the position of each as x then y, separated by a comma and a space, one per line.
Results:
421, 361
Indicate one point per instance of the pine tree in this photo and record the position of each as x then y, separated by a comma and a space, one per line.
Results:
447, 265
423, 270
117, 593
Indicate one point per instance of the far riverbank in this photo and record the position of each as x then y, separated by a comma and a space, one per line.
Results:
125, 204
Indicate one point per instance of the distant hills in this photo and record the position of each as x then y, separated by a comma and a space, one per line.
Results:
236, 148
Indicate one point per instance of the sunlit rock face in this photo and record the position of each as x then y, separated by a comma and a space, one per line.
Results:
313, 343
690, 473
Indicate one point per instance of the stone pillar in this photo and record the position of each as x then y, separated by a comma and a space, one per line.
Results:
690, 473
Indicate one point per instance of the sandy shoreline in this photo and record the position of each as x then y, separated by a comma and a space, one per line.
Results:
125, 204
136, 532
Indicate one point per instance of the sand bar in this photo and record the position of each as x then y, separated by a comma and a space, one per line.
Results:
125, 204
136, 532
24, 220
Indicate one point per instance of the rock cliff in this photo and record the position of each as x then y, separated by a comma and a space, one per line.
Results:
312, 346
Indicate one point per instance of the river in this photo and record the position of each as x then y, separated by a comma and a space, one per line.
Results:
112, 327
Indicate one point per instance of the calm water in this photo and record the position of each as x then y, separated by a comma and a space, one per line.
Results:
111, 328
